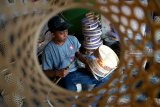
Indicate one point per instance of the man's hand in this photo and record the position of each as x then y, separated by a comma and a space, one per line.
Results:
62, 72
88, 67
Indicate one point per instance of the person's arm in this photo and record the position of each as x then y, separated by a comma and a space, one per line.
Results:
81, 58
77, 53
54, 73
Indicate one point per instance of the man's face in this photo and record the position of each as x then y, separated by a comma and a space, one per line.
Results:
61, 36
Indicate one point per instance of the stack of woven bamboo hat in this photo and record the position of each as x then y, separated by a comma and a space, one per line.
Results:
91, 31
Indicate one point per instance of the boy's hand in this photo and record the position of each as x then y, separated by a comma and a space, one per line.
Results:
62, 72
